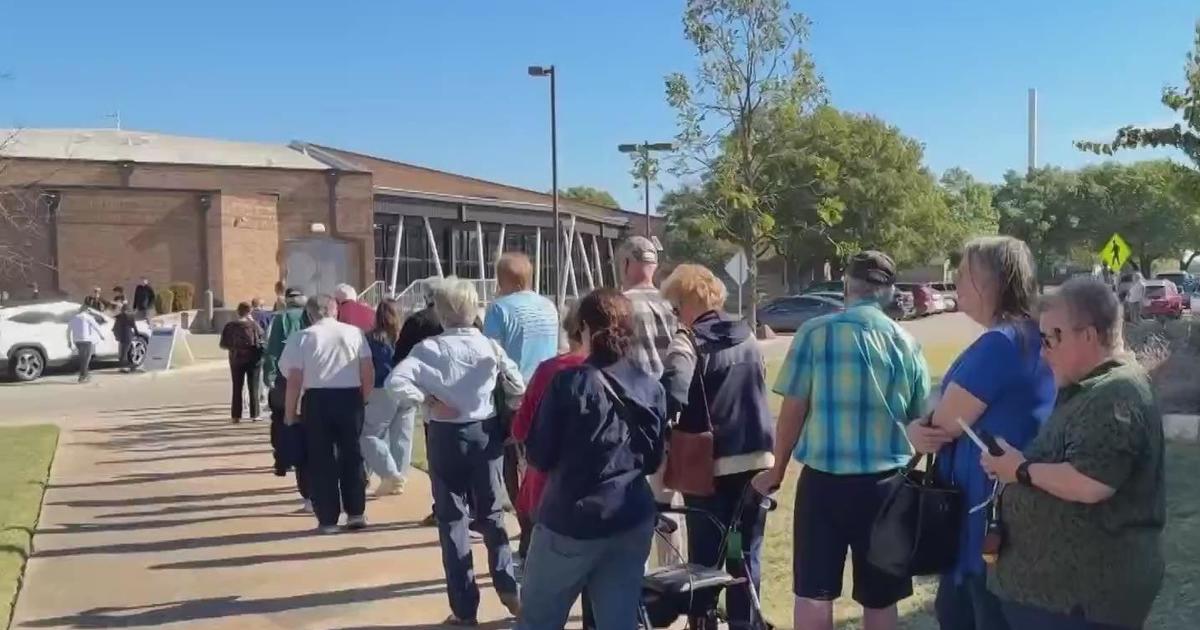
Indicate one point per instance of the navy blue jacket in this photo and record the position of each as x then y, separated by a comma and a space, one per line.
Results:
723, 353
596, 456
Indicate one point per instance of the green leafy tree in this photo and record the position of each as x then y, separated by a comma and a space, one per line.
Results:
690, 234
1183, 101
751, 58
588, 194
970, 204
1043, 209
1147, 203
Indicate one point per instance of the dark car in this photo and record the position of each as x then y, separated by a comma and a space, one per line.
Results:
789, 313
949, 293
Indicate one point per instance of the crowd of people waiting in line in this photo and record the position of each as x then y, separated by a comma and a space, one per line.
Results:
577, 440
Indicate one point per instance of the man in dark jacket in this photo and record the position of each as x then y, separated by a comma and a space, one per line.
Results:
125, 331
143, 298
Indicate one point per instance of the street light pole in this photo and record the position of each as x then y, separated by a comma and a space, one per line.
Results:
540, 71
644, 149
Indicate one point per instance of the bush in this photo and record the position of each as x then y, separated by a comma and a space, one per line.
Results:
185, 296
164, 301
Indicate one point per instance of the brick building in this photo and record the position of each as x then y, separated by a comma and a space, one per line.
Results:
105, 207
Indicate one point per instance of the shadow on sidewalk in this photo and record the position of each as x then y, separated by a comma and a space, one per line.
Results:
266, 449
206, 508
243, 561
158, 546
167, 476
233, 606
173, 498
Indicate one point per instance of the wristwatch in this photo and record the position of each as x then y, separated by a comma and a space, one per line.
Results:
1023, 477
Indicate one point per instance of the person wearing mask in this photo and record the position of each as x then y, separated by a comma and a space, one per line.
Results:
83, 333
95, 301
125, 331
715, 380
851, 382
242, 338
1084, 505
525, 324
1135, 296
387, 427
118, 295
456, 374
143, 299
351, 311
654, 324
999, 385
329, 365
597, 434
284, 325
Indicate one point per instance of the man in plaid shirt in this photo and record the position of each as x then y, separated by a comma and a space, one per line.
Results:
654, 322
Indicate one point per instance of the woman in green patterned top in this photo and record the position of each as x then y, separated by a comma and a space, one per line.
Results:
1085, 507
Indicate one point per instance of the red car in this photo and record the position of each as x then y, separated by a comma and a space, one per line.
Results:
922, 296
1162, 300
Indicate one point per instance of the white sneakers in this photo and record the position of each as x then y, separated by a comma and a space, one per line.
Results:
389, 486
354, 523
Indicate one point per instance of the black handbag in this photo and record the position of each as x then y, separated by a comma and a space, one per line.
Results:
917, 527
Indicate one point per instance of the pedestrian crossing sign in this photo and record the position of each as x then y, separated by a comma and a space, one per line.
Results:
1115, 252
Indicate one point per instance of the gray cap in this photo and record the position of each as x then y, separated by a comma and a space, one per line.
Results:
641, 249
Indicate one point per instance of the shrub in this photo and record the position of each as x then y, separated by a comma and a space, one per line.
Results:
185, 296
164, 301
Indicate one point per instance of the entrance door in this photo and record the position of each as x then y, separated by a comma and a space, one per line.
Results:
316, 265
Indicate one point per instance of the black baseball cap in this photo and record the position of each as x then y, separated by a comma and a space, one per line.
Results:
293, 293
872, 266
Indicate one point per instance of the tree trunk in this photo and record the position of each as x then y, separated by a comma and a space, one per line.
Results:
1184, 264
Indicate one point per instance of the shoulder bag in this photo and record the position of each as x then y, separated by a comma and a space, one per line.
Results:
916, 529
691, 461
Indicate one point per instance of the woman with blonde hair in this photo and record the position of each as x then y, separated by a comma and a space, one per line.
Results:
999, 385
715, 380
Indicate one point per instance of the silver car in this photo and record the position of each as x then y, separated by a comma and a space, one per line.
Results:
789, 313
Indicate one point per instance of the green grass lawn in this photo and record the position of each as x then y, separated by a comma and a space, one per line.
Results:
25, 456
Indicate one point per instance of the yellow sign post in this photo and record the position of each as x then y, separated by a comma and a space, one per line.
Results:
1115, 253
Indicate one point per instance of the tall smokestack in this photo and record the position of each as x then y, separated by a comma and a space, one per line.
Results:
1033, 129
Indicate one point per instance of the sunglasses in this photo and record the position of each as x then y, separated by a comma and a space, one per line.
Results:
1052, 339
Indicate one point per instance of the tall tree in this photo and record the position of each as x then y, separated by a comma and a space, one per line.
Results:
24, 222
690, 234
970, 203
1042, 209
588, 194
1145, 203
751, 57
1184, 101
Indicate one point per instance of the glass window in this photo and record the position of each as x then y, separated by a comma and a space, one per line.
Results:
33, 317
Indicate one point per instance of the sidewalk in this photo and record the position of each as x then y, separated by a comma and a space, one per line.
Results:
170, 517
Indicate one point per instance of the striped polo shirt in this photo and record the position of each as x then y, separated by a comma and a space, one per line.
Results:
864, 378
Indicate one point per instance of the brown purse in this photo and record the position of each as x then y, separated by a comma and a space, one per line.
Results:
691, 463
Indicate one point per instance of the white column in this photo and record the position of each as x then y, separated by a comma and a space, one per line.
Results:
587, 266
567, 274
537, 260
617, 279
500, 243
396, 255
596, 257
437, 260
479, 247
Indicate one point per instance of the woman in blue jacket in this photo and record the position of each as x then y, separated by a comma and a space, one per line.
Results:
597, 434
1000, 385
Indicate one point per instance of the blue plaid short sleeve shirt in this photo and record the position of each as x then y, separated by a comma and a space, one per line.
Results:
864, 378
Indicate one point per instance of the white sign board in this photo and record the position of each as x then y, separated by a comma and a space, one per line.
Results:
738, 268
162, 347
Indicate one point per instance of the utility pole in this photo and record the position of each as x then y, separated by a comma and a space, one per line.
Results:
1033, 130
644, 149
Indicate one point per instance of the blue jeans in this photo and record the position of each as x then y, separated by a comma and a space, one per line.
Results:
705, 544
559, 567
387, 435
968, 605
466, 460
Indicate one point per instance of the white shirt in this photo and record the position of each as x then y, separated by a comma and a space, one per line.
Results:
328, 353
458, 367
1137, 291
83, 328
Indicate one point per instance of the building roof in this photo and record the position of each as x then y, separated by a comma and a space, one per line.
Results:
401, 178
117, 145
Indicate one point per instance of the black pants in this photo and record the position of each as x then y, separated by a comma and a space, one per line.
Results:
245, 374
333, 420
705, 544
85, 349
282, 463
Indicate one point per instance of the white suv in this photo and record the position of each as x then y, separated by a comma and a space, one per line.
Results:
34, 337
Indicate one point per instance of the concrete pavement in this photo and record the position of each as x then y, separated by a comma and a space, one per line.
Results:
167, 515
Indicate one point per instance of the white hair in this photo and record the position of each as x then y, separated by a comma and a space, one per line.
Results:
345, 293
455, 302
857, 289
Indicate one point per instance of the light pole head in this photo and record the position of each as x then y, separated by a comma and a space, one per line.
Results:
627, 148
540, 71
661, 146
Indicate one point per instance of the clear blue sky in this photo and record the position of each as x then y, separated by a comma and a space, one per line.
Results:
443, 84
